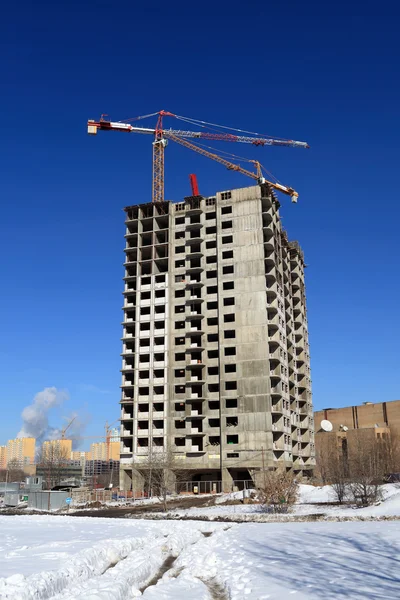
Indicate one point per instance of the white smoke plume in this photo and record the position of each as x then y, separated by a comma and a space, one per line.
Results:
35, 418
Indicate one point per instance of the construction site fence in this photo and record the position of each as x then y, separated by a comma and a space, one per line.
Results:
86, 496
181, 488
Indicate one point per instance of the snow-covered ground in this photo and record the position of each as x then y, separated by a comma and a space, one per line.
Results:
310, 502
67, 558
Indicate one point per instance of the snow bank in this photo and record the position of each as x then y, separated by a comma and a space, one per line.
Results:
113, 559
41, 556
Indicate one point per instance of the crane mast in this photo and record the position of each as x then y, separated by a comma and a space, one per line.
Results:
179, 136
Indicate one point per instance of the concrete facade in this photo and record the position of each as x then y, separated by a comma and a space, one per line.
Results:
216, 362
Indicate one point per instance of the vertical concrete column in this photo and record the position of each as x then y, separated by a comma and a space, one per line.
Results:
227, 481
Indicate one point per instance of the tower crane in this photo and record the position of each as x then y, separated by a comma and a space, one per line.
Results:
65, 429
162, 136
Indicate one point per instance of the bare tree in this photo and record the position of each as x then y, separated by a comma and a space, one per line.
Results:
13, 472
339, 476
160, 472
279, 490
327, 454
52, 463
366, 470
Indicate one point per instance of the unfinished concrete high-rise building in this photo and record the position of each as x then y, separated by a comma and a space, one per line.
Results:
216, 364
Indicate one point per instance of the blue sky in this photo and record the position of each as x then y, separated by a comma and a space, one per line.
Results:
330, 80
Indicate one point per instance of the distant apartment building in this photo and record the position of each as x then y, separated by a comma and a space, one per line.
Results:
21, 451
63, 447
216, 365
81, 456
104, 451
3, 457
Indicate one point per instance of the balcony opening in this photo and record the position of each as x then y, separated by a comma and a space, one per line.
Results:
228, 270
212, 321
180, 424
197, 444
229, 334
212, 289
158, 424
147, 253
179, 406
179, 356
158, 441
213, 388
232, 439
212, 371
231, 421
231, 403
230, 318
146, 268
158, 390
230, 351
212, 354
231, 385
144, 358
180, 442
143, 442
227, 239
211, 244
230, 368
213, 404
212, 337
214, 440
213, 422
144, 391
143, 407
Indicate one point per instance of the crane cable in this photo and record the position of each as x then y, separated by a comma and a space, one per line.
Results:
205, 124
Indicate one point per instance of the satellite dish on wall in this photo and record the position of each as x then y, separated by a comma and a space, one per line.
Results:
345, 428
326, 425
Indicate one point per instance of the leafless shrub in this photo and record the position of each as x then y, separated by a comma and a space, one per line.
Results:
279, 491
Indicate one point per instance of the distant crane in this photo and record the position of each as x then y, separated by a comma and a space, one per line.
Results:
65, 429
161, 137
